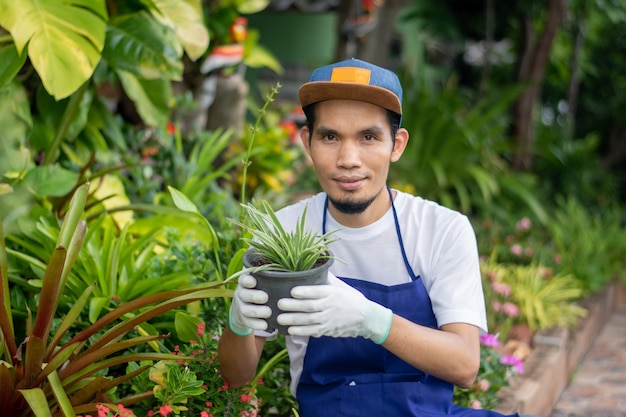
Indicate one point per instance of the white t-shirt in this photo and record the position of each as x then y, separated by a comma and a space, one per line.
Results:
440, 245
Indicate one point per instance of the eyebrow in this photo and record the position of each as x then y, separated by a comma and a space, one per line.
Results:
325, 131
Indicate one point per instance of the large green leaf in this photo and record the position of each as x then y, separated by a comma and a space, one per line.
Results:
138, 44
64, 38
251, 6
185, 18
50, 180
10, 63
152, 98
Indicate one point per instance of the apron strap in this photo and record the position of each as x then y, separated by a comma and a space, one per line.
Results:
398, 232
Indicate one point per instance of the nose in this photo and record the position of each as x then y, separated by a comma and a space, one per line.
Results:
349, 155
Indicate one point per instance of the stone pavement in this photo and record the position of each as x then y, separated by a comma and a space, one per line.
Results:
598, 387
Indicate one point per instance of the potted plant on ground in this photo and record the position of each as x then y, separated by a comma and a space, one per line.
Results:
280, 260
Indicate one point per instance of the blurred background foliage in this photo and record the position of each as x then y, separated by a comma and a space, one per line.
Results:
515, 117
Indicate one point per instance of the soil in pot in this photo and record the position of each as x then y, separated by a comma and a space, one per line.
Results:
278, 284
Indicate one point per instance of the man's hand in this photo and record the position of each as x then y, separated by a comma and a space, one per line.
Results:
248, 310
335, 309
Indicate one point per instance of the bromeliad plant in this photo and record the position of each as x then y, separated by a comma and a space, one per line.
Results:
46, 372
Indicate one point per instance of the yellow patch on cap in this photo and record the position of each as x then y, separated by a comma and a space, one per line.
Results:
351, 75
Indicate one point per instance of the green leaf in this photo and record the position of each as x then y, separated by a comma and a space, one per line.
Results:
37, 401
139, 45
186, 19
251, 6
186, 326
64, 39
152, 98
60, 395
10, 63
96, 304
182, 202
50, 180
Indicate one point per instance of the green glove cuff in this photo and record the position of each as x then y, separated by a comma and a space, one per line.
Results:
377, 322
238, 330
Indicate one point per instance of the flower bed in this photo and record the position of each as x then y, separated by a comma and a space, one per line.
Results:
555, 356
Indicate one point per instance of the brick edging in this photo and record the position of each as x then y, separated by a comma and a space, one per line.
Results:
555, 356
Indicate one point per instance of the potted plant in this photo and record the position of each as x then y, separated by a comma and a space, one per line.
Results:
280, 260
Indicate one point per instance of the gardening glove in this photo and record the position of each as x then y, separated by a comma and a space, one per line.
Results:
248, 309
335, 309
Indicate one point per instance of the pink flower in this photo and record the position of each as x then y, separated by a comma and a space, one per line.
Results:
510, 309
497, 306
513, 361
483, 384
488, 339
523, 225
476, 405
501, 288
516, 249
200, 329
124, 412
205, 414
245, 398
103, 410
558, 259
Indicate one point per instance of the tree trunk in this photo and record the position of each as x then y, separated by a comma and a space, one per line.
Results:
574, 82
532, 69
373, 46
616, 147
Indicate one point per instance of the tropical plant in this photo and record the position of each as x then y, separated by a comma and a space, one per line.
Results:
71, 111
455, 155
44, 372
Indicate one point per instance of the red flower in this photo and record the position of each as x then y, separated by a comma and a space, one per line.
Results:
165, 410
170, 128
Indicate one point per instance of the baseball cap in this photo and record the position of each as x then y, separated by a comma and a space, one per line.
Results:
353, 79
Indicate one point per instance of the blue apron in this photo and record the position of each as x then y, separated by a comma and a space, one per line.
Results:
348, 377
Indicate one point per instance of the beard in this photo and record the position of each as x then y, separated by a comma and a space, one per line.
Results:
348, 206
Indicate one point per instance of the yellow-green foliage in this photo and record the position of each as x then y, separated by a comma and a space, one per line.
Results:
545, 300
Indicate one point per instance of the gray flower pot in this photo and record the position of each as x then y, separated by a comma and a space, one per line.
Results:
278, 284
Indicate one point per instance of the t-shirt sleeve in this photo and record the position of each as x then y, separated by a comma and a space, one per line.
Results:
456, 290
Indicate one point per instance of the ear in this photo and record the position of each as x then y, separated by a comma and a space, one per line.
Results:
402, 138
305, 138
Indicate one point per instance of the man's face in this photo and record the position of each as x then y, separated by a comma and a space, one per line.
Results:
351, 148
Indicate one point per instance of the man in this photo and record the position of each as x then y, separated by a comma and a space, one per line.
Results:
401, 325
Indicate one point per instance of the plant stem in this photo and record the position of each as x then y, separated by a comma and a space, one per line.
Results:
246, 161
66, 120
